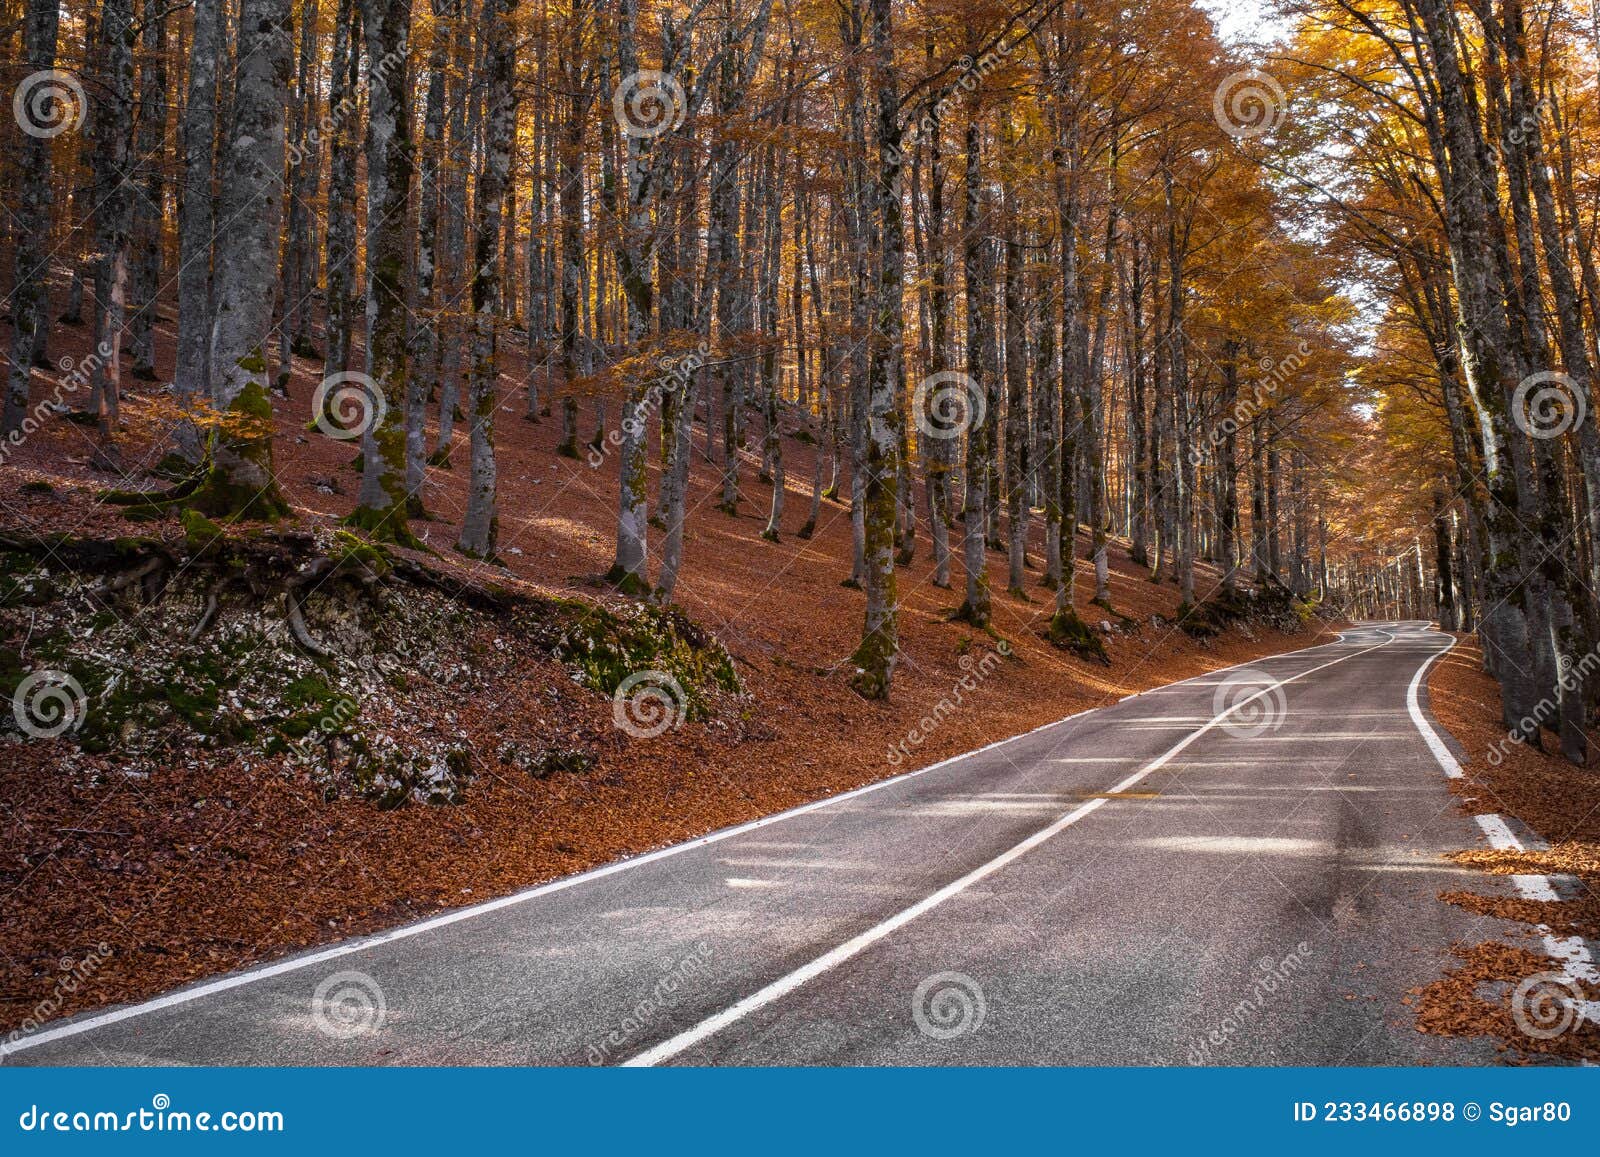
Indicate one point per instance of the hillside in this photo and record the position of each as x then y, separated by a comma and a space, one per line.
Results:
186, 850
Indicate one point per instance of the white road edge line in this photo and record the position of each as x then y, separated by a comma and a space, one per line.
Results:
77, 1026
1577, 961
1441, 750
784, 985
1571, 952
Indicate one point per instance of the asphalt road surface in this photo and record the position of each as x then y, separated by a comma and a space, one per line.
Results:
1237, 869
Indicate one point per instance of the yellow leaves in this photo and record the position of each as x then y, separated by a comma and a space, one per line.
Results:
234, 425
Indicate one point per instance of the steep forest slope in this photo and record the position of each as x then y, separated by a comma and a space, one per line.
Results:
238, 780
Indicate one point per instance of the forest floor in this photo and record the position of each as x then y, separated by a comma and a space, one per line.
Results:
1558, 804
122, 877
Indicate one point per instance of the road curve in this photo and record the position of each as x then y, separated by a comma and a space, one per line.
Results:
1238, 869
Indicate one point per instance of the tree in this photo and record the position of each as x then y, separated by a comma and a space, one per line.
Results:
480, 529
241, 482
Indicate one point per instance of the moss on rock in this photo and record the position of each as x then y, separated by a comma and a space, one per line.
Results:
602, 648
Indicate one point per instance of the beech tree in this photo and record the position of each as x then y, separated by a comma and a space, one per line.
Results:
241, 481
1041, 282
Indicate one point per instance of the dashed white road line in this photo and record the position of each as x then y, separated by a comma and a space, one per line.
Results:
1572, 952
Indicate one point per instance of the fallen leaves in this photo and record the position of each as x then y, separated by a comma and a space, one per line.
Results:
1555, 799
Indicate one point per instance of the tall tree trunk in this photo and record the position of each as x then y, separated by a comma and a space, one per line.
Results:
340, 261
452, 278
875, 658
382, 506
1016, 364
30, 262
771, 264
306, 162
192, 378
1139, 480
570, 196
150, 132
977, 608
939, 452
480, 527
242, 483
1227, 473
424, 381
1445, 600
113, 215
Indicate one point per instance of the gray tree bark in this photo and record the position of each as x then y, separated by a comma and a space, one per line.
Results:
383, 504
30, 265
242, 482
480, 527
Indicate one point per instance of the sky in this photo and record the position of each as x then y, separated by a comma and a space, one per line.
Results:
1244, 19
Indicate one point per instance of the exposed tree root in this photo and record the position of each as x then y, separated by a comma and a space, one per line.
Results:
260, 567
970, 614
626, 582
1070, 633
208, 614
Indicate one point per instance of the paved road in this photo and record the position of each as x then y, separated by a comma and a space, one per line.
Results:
1153, 883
